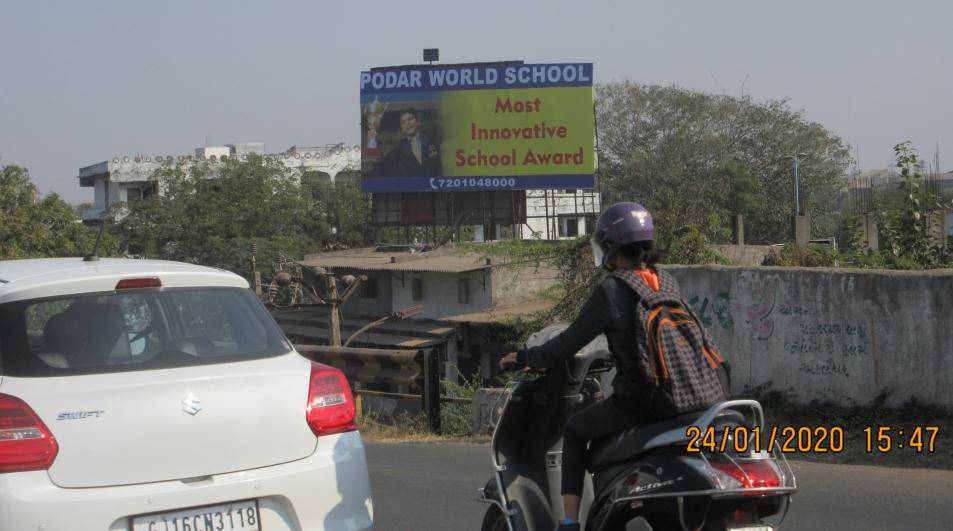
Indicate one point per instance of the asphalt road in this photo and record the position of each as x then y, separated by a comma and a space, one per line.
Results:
423, 486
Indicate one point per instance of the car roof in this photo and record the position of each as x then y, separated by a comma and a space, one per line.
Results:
45, 277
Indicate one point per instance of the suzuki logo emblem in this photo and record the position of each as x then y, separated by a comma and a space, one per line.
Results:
190, 405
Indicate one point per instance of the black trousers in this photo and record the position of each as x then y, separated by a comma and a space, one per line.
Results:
593, 422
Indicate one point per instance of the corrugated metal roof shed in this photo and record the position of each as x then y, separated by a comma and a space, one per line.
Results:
502, 313
437, 261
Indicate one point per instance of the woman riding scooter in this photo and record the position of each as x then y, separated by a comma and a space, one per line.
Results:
623, 240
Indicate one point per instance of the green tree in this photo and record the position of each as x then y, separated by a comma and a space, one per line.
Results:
344, 209
908, 228
744, 194
34, 227
695, 158
211, 214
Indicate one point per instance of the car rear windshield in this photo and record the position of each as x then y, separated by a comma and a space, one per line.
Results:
135, 330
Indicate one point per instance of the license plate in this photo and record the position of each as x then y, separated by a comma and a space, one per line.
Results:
752, 528
235, 516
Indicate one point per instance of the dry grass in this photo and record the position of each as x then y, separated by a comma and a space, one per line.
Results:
406, 428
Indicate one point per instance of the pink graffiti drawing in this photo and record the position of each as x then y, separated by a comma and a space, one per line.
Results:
758, 314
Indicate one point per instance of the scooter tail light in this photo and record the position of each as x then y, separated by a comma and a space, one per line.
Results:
721, 480
25, 442
731, 474
750, 474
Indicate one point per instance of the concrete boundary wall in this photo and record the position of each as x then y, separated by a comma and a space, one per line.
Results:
842, 334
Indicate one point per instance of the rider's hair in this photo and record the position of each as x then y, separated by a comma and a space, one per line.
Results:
641, 252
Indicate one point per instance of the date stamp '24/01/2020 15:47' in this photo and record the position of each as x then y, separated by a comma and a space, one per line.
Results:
809, 439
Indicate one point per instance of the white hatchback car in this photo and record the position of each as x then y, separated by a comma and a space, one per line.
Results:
157, 396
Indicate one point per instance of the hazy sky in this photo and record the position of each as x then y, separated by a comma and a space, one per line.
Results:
83, 81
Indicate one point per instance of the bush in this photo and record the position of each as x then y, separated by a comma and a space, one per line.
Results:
456, 418
689, 246
793, 255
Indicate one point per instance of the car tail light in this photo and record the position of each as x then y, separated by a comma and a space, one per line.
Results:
750, 474
139, 283
25, 442
330, 403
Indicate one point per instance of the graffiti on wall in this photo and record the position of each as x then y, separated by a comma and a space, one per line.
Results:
819, 346
759, 312
716, 307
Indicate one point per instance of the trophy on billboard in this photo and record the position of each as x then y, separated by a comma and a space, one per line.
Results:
374, 111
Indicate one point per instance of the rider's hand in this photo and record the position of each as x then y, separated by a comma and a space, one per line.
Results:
508, 361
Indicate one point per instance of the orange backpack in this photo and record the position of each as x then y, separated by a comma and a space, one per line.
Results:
676, 356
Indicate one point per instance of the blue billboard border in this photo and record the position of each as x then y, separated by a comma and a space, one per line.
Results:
478, 183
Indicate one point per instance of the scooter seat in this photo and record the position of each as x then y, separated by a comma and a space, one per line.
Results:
624, 446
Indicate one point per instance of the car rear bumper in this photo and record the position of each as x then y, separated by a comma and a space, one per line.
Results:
328, 490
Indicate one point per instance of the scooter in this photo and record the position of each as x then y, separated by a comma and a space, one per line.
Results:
657, 476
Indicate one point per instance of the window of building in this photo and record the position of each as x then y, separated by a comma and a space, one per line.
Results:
417, 287
369, 289
568, 227
139, 192
463, 291
590, 221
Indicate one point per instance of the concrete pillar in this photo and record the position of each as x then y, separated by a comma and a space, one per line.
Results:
941, 220
868, 226
738, 229
450, 368
802, 230
934, 227
947, 227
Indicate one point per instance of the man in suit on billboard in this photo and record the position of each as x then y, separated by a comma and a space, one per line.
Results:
415, 155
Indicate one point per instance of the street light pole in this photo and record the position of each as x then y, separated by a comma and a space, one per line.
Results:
797, 183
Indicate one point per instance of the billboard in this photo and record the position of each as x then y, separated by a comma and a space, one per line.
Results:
491, 126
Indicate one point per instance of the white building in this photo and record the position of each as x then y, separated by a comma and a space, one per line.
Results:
125, 178
560, 214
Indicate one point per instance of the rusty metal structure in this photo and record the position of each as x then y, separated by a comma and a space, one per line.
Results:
405, 313
290, 288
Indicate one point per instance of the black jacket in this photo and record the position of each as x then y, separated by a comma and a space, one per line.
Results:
610, 309
401, 162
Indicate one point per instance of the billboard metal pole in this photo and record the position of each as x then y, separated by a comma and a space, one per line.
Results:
513, 196
597, 154
575, 211
433, 217
546, 211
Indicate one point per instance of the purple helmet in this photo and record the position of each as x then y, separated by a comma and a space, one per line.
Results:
620, 225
